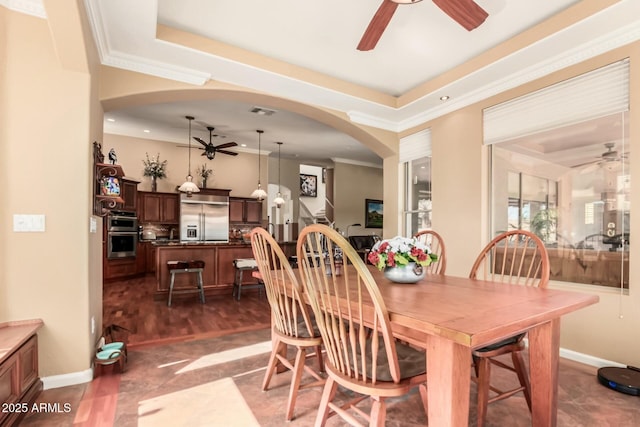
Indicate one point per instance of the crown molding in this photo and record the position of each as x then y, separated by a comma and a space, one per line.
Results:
593, 48
129, 62
28, 7
525, 65
355, 162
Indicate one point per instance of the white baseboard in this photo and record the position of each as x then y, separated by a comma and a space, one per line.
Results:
588, 359
57, 381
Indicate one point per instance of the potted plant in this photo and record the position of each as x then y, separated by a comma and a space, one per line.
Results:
154, 168
543, 224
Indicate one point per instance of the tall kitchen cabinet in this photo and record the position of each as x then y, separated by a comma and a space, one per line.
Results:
160, 208
243, 210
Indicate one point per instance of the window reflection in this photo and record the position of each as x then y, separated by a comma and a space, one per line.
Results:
571, 187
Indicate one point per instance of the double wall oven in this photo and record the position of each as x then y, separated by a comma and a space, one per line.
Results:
122, 234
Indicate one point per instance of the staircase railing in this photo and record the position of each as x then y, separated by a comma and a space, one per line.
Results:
307, 217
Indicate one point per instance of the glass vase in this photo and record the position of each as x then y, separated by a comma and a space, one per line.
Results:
154, 184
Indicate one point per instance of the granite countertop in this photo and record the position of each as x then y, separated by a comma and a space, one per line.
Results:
229, 243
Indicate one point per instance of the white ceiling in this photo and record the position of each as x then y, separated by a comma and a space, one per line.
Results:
420, 44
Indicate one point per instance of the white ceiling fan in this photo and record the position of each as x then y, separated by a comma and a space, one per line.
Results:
609, 160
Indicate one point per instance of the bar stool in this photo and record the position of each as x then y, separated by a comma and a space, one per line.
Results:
191, 266
241, 265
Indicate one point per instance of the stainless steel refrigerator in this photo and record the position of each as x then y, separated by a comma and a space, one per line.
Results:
204, 218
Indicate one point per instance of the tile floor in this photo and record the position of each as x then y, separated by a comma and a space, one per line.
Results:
216, 382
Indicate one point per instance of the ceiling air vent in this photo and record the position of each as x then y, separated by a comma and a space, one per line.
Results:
262, 111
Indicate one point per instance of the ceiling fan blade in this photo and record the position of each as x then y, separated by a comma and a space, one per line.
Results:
226, 145
231, 153
377, 25
585, 164
200, 141
465, 12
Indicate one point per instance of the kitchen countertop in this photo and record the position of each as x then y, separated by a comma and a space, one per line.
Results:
179, 243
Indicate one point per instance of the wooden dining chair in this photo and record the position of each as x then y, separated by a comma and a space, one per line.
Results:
292, 324
347, 305
514, 257
436, 244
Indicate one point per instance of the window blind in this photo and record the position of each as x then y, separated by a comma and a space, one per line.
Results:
415, 146
594, 94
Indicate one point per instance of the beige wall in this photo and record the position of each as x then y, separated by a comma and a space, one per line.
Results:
237, 173
461, 209
354, 184
50, 114
50, 119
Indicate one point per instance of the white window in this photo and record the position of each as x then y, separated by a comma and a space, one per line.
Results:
415, 160
560, 169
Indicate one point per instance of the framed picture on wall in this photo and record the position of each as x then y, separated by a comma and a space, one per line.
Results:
308, 185
372, 213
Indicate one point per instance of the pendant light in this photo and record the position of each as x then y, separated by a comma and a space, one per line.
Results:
279, 201
189, 186
259, 193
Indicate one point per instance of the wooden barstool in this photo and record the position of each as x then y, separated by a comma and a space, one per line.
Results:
241, 265
191, 266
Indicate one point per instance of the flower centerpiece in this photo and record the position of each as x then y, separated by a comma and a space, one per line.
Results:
154, 168
204, 174
402, 258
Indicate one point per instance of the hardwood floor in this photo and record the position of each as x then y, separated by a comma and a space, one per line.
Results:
131, 304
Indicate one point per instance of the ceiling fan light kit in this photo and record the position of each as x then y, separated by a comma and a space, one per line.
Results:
259, 193
467, 13
189, 186
210, 150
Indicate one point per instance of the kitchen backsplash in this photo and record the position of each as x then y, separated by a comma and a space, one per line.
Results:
150, 231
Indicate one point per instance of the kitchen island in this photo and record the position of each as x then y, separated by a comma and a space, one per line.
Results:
219, 272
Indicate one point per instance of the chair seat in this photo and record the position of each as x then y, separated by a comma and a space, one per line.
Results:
505, 342
184, 265
412, 362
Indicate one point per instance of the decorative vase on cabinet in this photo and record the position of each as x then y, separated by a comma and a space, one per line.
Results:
154, 184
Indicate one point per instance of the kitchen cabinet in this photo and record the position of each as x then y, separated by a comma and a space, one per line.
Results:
163, 208
151, 252
141, 257
245, 210
129, 194
19, 380
119, 267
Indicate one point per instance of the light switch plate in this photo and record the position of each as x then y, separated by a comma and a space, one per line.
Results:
28, 223
93, 225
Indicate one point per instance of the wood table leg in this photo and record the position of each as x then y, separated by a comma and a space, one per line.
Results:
544, 358
448, 382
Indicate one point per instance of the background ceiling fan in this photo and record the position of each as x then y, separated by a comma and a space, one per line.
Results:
609, 160
465, 12
210, 150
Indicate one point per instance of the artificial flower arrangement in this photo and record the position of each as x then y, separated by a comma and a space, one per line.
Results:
154, 167
400, 251
204, 172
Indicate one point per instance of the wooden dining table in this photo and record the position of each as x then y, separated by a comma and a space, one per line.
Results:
450, 316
